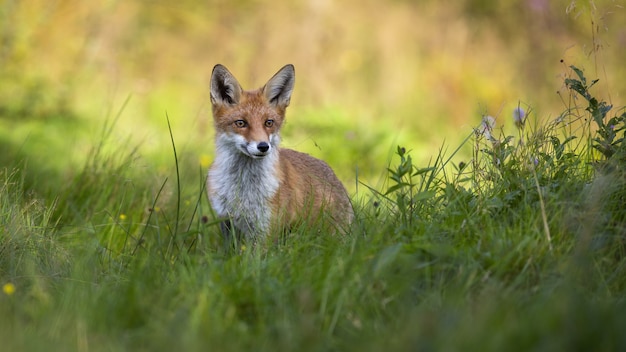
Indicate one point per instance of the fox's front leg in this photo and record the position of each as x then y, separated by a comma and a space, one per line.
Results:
230, 233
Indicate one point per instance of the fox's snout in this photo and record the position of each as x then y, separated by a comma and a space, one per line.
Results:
263, 147
257, 150
250, 148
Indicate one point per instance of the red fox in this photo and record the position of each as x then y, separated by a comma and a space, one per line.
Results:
259, 187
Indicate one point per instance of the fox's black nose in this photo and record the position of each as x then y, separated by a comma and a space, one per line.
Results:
263, 147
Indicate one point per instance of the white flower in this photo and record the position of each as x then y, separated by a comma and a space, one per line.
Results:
486, 126
518, 116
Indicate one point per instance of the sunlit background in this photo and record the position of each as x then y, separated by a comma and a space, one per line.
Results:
370, 74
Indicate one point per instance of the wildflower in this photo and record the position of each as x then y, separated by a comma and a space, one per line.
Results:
205, 161
486, 126
519, 115
122, 217
8, 289
533, 162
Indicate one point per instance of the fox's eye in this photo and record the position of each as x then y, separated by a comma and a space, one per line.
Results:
269, 123
240, 123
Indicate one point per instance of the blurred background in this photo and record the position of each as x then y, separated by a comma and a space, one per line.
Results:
370, 74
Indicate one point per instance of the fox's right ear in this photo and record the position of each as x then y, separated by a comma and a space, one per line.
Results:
225, 90
278, 89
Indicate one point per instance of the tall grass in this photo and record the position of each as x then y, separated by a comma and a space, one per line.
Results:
519, 247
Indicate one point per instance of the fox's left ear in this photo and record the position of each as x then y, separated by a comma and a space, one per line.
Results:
278, 89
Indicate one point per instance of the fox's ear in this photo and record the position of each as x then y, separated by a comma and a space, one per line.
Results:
278, 89
225, 90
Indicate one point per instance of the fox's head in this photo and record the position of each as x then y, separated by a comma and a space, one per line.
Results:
250, 121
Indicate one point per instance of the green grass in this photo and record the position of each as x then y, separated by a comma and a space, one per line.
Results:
521, 247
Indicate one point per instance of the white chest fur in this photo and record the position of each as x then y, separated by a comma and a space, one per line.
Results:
241, 188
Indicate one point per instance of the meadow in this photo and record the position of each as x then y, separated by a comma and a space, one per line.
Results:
482, 145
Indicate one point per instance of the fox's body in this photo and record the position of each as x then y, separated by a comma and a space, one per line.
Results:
258, 186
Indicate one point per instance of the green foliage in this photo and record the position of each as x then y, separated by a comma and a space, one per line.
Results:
411, 195
607, 140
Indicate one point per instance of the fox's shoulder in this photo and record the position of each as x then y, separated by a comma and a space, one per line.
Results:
301, 159
306, 165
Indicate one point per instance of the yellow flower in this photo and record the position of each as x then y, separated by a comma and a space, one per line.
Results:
122, 217
205, 160
8, 288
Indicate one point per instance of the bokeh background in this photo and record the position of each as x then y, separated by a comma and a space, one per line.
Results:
370, 74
